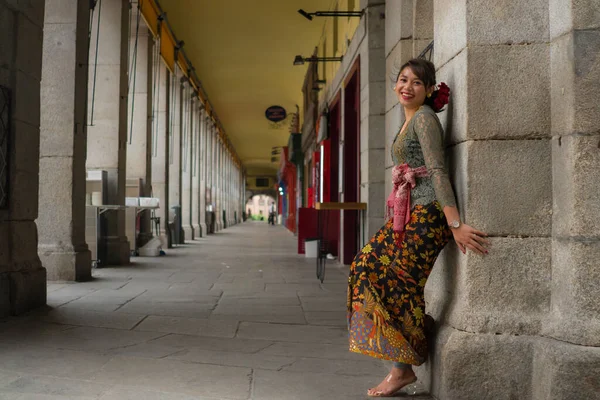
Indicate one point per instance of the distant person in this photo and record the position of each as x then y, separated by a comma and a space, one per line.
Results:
272, 214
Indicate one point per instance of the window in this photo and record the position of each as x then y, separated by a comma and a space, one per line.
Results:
262, 182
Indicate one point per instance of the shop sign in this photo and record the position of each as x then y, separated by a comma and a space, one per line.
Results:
276, 114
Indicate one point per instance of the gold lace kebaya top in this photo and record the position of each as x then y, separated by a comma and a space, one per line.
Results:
421, 143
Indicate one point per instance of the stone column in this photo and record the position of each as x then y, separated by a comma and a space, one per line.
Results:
214, 177
209, 163
186, 162
195, 116
22, 277
161, 160
567, 362
107, 115
175, 141
230, 192
219, 183
202, 170
139, 135
61, 218
495, 58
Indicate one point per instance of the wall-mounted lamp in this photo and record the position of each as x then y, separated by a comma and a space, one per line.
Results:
299, 60
309, 16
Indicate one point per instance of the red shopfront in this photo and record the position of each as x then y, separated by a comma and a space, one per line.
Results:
287, 191
336, 168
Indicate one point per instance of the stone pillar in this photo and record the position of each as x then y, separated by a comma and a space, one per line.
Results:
219, 182
186, 162
215, 179
490, 310
210, 157
195, 159
22, 277
161, 160
202, 170
107, 115
139, 134
61, 217
175, 141
567, 363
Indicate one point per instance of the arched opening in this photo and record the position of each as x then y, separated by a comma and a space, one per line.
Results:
260, 206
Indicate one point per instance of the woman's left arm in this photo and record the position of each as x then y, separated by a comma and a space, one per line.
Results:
430, 137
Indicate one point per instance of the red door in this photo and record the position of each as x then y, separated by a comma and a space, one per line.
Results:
351, 174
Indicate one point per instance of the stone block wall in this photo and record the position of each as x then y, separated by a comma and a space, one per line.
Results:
22, 276
522, 132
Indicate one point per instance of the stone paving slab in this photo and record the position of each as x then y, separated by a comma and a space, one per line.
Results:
234, 359
292, 333
315, 350
119, 392
213, 343
178, 377
189, 326
74, 316
185, 310
278, 385
51, 362
65, 388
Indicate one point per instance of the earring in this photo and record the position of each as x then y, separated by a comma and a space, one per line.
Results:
428, 94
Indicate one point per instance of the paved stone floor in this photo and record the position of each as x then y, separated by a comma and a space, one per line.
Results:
237, 315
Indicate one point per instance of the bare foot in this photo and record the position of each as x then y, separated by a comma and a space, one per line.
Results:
391, 384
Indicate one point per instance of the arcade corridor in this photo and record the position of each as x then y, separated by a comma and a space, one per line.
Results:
237, 315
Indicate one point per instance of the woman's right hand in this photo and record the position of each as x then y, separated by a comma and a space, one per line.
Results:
467, 237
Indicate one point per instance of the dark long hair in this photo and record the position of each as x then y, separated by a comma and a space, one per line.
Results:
425, 71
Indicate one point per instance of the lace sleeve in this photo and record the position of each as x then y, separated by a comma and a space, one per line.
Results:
430, 137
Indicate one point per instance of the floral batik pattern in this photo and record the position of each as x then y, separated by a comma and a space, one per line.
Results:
386, 306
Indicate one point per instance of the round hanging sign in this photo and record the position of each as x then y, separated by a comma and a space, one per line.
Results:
276, 113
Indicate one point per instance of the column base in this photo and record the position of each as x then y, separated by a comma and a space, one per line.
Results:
66, 263
144, 238
204, 229
218, 226
117, 251
22, 291
197, 231
188, 233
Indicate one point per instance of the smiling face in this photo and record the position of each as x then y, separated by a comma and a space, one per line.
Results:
410, 89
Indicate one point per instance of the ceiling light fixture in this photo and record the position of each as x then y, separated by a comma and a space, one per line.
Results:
309, 16
299, 60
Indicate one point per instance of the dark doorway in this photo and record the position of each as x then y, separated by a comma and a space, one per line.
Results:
351, 168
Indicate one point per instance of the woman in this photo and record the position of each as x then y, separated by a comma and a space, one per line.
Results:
386, 307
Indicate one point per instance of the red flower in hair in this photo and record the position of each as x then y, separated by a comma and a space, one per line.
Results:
440, 97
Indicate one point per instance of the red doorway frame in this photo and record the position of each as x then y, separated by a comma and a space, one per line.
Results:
351, 167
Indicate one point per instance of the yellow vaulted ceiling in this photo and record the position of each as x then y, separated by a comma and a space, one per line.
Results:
243, 52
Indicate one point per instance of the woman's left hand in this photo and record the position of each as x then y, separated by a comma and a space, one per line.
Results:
467, 237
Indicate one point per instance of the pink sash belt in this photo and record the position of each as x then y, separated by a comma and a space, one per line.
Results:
404, 179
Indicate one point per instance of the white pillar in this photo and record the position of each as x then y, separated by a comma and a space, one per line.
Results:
139, 133
210, 170
61, 218
195, 116
175, 144
107, 114
186, 162
219, 182
160, 159
202, 170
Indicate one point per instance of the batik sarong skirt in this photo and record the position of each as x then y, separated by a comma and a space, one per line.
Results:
386, 306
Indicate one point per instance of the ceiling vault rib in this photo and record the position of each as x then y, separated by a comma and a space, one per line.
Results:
173, 54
